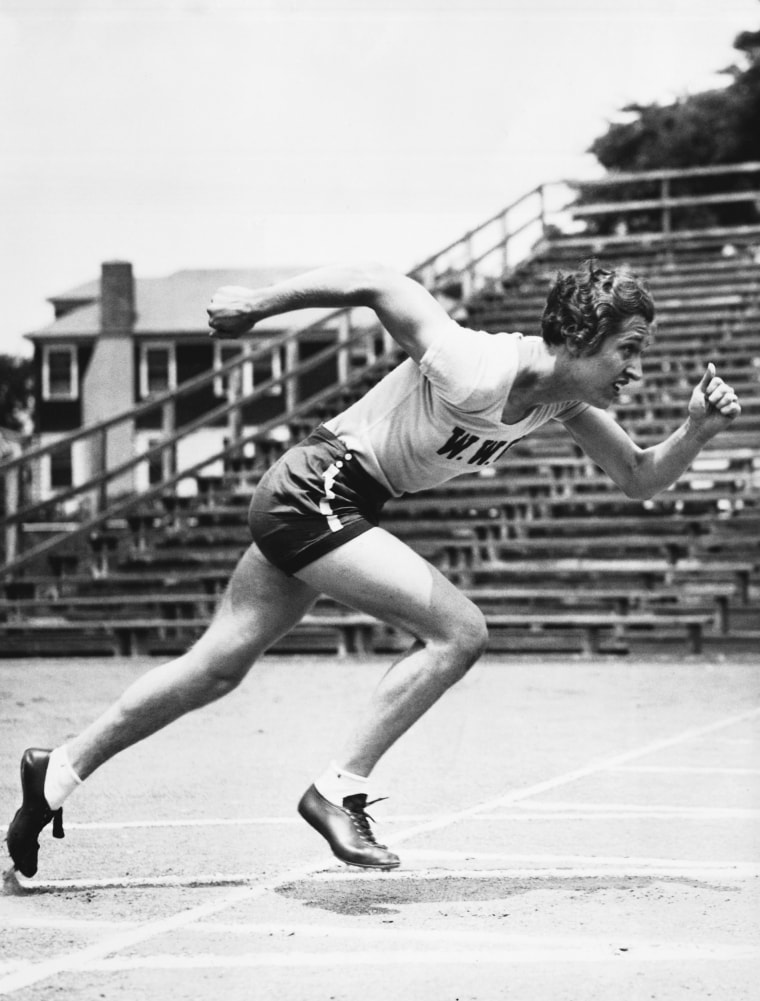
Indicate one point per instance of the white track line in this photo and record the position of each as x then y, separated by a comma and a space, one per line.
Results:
533, 865
683, 770
600, 862
32, 887
637, 809
75, 961
666, 813
524, 872
120, 825
391, 933
593, 768
562, 811
383, 957
36, 972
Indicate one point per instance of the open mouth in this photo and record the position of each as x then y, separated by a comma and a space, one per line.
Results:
618, 387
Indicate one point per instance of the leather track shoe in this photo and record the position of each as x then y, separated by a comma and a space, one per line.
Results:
346, 829
33, 814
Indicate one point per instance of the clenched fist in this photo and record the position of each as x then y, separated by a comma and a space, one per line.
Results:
231, 311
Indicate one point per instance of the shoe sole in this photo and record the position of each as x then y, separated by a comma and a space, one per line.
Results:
375, 868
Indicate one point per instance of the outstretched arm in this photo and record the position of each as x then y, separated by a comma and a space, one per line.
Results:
404, 307
644, 472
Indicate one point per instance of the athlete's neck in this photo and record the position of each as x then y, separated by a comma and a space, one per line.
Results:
539, 380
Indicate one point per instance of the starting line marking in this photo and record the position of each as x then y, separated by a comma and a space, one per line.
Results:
34, 972
525, 867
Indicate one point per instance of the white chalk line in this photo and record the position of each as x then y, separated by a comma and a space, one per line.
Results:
464, 946
643, 808
697, 814
600, 861
353, 933
435, 958
35, 972
72, 961
697, 871
594, 768
683, 770
536, 811
541, 864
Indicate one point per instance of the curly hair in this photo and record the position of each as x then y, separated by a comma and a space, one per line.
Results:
585, 307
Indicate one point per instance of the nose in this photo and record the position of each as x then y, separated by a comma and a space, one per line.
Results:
633, 370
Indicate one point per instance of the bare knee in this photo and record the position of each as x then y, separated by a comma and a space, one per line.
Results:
465, 640
222, 678
220, 671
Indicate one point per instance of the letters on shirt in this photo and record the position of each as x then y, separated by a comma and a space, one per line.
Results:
477, 451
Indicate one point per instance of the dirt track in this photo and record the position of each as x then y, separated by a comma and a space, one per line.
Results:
568, 830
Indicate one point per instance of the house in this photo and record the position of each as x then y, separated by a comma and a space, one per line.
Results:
118, 341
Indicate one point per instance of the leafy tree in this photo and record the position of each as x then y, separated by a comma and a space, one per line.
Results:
712, 128
16, 392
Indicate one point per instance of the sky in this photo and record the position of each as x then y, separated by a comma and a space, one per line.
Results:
235, 133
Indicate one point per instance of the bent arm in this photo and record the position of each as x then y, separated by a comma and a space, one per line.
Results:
644, 472
639, 472
404, 307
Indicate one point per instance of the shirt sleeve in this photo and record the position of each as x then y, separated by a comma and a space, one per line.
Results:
469, 368
570, 410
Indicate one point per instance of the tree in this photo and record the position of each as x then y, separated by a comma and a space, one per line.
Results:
16, 392
712, 128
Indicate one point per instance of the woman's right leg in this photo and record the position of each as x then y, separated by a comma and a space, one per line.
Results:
378, 574
260, 605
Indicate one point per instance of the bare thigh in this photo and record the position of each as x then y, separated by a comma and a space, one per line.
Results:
260, 604
378, 574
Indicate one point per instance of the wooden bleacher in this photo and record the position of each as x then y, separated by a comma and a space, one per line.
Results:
556, 557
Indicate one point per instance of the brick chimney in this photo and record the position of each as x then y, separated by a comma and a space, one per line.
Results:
117, 298
108, 384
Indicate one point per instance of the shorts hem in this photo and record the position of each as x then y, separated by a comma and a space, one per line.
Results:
320, 547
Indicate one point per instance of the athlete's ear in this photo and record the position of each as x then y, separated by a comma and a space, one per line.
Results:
573, 342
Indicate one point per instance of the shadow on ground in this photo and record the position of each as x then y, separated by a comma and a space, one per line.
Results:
388, 896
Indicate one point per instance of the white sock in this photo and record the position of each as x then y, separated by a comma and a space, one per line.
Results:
336, 783
60, 779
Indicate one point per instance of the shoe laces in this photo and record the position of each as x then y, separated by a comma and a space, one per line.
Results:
356, 807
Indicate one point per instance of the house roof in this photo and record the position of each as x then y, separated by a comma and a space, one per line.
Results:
175, 304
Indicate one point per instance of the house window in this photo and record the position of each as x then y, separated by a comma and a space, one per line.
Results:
61, 469
60, 373
224, 352
158, 369
269, 367
155, 464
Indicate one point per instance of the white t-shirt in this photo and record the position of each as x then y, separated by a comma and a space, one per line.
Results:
422, 425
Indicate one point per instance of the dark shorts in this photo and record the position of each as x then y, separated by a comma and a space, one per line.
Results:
313, 500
